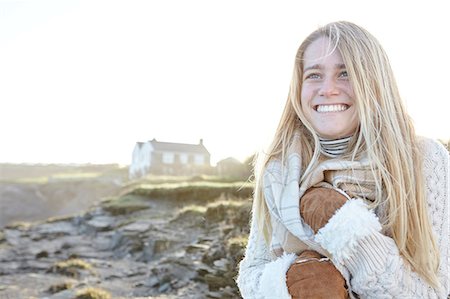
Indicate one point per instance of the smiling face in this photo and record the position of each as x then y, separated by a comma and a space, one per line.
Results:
327, 98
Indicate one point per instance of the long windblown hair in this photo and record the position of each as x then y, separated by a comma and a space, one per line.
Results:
385, 134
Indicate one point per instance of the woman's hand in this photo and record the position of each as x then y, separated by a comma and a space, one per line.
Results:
314, 276
318, 205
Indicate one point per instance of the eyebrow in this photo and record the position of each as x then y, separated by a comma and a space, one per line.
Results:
338, 66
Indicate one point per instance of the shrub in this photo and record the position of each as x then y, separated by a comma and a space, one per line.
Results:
92, 293
60, 287
71, 267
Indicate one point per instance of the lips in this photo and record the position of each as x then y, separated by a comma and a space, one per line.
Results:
331, 108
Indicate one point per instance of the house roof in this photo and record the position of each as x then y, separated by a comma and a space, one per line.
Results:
179, 147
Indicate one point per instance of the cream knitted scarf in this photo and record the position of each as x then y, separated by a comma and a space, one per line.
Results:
353, 179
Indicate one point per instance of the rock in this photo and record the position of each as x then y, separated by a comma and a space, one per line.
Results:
117, 240
53, 230
42, 254
102, 241
203, 269
101, 223
32, 285
241, 219
236, 247
151, 282
13, 237
162, 245
215, 295
51, 246
222, 264
36, 265
216, 252
151, 253
215, 283
126, 244
194, 248
77, 221
138, 226
192, 217
10, 267
164, 287
227, 229
146, 254
224, 293
65, 294
94, 212
56, 288
215, 214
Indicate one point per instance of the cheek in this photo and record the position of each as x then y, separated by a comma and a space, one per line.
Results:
304, 98
304, 108
355, 121
349, 90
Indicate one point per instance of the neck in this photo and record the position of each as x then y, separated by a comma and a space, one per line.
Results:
334, 148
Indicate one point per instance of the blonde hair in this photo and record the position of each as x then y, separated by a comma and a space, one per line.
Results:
384, 125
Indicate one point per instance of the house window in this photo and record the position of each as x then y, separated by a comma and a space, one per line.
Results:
183, 158
168, 158
199, 159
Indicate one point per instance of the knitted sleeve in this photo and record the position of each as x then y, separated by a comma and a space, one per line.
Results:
252, 265
261, 274
373, 259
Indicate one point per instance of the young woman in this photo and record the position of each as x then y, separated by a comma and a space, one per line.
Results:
344, 128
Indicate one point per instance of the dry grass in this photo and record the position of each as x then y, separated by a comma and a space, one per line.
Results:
72, 267
124, 204
92, 293
74, 263
201, 191
60, 287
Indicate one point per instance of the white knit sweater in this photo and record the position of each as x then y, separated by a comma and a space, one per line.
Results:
369, 259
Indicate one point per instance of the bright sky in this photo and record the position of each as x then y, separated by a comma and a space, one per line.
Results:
82, 81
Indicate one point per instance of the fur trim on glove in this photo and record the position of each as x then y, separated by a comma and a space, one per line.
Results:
273, 279
351, 223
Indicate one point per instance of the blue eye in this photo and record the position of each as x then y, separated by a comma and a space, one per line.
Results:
343, 74
313, 76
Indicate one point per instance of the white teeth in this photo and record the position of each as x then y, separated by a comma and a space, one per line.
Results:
331, 108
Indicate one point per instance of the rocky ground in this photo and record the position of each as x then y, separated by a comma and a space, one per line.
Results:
128, 247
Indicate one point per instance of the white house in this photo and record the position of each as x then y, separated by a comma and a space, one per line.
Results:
157, 157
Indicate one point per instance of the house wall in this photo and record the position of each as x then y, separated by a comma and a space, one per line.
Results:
179, 163
145, 160
141, 160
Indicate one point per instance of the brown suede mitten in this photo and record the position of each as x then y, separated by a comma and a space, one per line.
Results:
318, 205
311, 278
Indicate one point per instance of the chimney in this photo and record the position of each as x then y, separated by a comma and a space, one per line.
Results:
201, 141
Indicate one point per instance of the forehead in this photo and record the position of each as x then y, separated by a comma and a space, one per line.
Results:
321, 51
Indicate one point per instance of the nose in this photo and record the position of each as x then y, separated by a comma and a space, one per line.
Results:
328, 88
